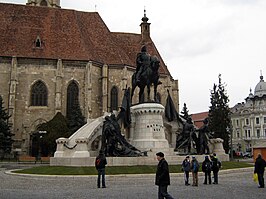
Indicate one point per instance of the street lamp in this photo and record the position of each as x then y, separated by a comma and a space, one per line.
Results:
39, 152
229, 130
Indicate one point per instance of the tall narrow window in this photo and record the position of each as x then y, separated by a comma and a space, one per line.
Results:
258, 133
114, 98
39, 94
72, 95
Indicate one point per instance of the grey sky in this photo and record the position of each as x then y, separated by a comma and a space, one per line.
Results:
198, 39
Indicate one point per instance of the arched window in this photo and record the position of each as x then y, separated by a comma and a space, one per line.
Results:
72, 95
43, 3
114, 98
39, 94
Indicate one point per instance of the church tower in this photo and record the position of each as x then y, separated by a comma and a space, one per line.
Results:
145, 28
48, 3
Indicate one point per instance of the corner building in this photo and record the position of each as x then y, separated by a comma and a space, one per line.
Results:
249, 120
50, 56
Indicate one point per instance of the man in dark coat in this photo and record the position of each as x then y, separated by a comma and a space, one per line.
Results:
260, 165
100, 163
162, 177
216, 165
206, 168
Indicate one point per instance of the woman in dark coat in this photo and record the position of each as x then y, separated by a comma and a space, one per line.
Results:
162, 178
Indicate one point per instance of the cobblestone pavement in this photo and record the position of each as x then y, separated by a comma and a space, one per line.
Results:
232, 184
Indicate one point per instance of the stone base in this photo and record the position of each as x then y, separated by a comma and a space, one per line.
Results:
127, 161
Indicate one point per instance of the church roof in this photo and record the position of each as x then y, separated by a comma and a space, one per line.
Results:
66, 34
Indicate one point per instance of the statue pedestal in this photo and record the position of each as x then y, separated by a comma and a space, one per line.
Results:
147, 129
216, 146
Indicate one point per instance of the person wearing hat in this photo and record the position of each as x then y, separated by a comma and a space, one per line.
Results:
206, 168
195, 169
260, 165
100, 163
186, 169
162, 179
215, 164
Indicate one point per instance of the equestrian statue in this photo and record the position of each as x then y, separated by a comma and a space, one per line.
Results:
146, 74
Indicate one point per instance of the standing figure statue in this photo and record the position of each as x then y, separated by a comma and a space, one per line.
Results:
146, 74
204, 137
184, 139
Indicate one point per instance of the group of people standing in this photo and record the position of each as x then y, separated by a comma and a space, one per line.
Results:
209, 165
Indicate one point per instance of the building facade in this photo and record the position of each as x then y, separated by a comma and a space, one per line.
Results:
50, 57
249, 119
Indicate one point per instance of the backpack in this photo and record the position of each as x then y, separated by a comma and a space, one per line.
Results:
208, 166
98, 162
195, 167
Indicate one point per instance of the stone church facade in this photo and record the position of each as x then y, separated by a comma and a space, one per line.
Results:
51, 56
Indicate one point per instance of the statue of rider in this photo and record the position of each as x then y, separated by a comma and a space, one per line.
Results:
143, 61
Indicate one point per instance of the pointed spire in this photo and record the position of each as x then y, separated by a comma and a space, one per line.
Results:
145, 28
145, 19
261, 76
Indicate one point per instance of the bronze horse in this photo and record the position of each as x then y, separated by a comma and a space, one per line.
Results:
149, 76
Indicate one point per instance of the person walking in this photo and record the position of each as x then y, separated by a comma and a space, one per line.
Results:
215, 165
206, 168
260, 165
100, 163
162, 179
195, 169
186, 169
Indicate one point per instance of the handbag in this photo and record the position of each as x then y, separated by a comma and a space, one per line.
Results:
255, 177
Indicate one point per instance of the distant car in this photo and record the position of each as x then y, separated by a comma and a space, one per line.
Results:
247, 155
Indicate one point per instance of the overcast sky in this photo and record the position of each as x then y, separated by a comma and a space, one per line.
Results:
197, 39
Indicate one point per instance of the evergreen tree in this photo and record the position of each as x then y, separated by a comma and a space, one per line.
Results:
75, 119
6, 140
219, 114
55, 128
184, 112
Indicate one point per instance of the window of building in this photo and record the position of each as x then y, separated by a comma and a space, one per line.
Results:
43, 3
72, 95
246, 133
38, 42
258, 133
238, 134
114, 98
249, 133
247, 121
265, 132
39, 94
257, 120
264, 120
237, 122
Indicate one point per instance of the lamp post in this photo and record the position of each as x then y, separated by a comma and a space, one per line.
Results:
40, 133
229, 130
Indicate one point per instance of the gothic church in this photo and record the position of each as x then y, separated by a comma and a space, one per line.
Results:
50, 56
